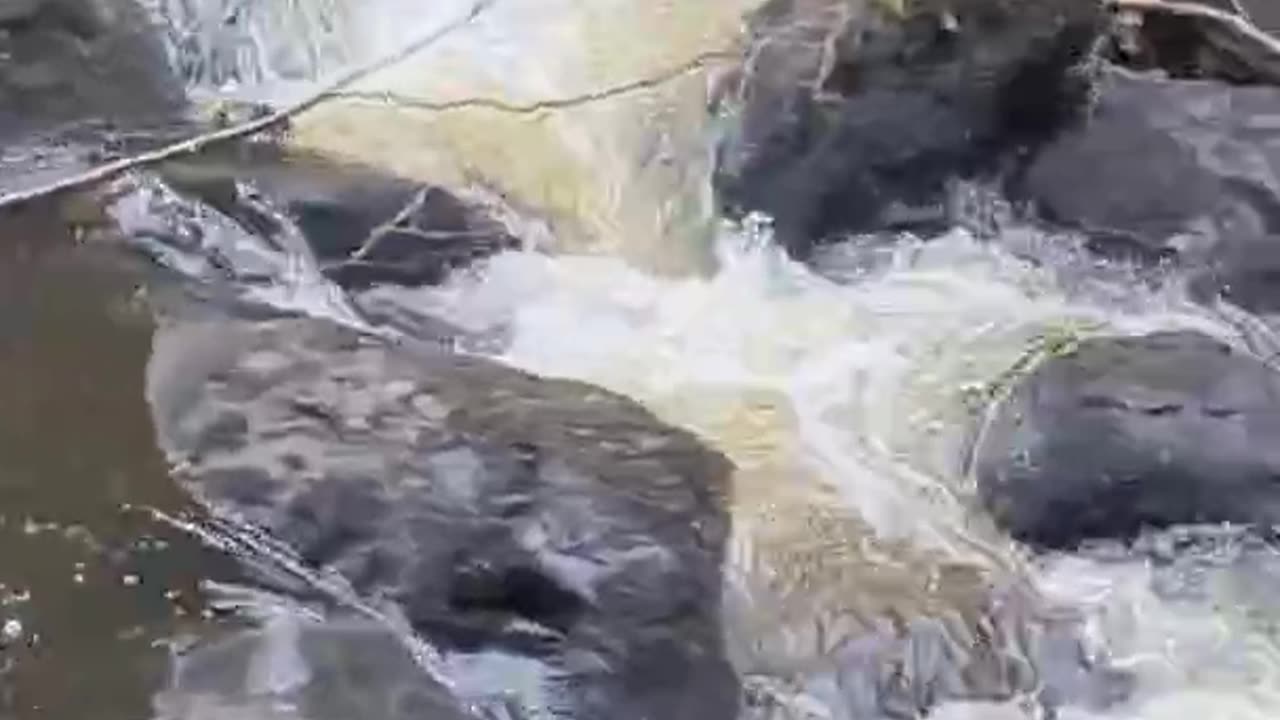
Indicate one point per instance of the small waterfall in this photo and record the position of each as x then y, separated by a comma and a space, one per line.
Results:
568, 109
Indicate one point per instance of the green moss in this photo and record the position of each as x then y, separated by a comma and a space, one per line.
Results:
1054, 341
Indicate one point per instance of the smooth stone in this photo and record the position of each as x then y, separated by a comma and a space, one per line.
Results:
1184, 169
1125, 434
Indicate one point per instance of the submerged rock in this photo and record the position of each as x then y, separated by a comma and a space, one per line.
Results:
557, 542
1127, 433
852, 122
1021, 651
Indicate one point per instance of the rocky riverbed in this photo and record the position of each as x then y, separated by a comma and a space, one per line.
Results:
993, 324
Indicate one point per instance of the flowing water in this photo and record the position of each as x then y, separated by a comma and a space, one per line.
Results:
848, 396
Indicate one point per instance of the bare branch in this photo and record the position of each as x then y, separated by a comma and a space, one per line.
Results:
414, 205
695, 63
397, 225
235, 132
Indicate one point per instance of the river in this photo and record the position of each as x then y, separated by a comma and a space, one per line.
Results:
847, 392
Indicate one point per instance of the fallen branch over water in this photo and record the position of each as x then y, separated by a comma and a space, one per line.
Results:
695, 63
238, 131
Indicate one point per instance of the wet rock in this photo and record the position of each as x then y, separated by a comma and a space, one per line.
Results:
1128, 433
365, 228
557, 542
67, 61
80, 81
853, 122
1183, 169
1132, 141
297, 668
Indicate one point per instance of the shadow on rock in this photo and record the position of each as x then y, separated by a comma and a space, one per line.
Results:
556, 541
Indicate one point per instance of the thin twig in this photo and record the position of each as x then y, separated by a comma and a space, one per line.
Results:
414, 205
396, 225
646, 83
235, 132
1237, 24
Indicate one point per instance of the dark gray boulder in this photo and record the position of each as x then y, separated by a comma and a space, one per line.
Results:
1127, 433
557, 542
857, 122
863, 123
364, 227
1182, 171
81, 60
81, 81
1137, 170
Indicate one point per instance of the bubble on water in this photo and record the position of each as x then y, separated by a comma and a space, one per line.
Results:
11, 631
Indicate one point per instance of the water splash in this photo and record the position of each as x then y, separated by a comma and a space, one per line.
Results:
846, 407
